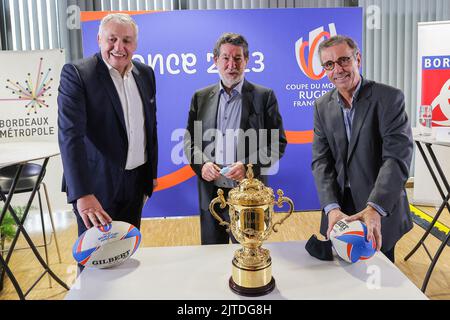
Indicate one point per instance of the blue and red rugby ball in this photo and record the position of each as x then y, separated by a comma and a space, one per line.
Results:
349, 239
107, 246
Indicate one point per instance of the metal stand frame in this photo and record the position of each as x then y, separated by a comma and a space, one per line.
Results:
445, 203
21, 229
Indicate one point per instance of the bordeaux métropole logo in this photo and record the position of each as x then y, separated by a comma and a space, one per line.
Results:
30, 95
32, 92
309, 61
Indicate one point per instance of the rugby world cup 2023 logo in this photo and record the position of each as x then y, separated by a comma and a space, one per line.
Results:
309, 62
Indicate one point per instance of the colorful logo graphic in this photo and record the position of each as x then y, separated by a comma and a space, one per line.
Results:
105, 228
436, 88
32, 92
309, 62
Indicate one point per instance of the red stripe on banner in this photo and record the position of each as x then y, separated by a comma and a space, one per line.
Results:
174, 178
98, 15
185, 173
299, 137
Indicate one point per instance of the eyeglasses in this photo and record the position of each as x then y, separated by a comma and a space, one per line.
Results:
342, 61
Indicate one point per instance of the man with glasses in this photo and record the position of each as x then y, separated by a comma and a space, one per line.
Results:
362, 149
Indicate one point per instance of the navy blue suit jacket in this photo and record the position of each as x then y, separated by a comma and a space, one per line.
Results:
92, 133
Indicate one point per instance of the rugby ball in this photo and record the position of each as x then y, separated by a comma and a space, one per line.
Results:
106, 246
349, 240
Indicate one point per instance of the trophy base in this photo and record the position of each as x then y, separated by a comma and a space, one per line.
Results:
248, 280
252, 292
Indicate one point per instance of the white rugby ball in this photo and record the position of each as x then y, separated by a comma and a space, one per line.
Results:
349, 239
107, 246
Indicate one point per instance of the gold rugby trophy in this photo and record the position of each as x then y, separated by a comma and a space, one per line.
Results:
251, 209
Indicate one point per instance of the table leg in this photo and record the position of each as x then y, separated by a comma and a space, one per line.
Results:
441, 192
20, 223
439, 170
433, 174
11, 277
430, 227
7, 201
433, 263
444, 243
44, 236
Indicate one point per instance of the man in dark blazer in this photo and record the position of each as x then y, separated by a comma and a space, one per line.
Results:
246, 110
362, 149
107, 129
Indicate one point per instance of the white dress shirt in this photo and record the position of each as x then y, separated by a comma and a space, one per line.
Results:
133, 113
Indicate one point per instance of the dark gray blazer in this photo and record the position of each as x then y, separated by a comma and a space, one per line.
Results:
259, 111
376, 161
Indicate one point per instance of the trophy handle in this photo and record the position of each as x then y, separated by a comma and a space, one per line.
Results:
279, 202
219, 199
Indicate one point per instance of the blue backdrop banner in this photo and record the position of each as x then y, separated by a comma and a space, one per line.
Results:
283, 56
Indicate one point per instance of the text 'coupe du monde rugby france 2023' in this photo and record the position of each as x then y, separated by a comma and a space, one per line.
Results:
106, 246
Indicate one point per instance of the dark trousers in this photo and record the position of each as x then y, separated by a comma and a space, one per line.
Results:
127, 204
128, 201
211, 231
348, 207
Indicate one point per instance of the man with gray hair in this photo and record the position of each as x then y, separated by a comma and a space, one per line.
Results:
107, 129
235, 105
362, 149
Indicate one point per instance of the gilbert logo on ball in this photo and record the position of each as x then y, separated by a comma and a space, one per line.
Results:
106, 246
349, 239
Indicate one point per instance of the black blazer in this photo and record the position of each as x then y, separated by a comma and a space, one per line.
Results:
92, 133
376, 161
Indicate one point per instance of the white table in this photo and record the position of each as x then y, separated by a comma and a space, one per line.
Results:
202, 272
20, 153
